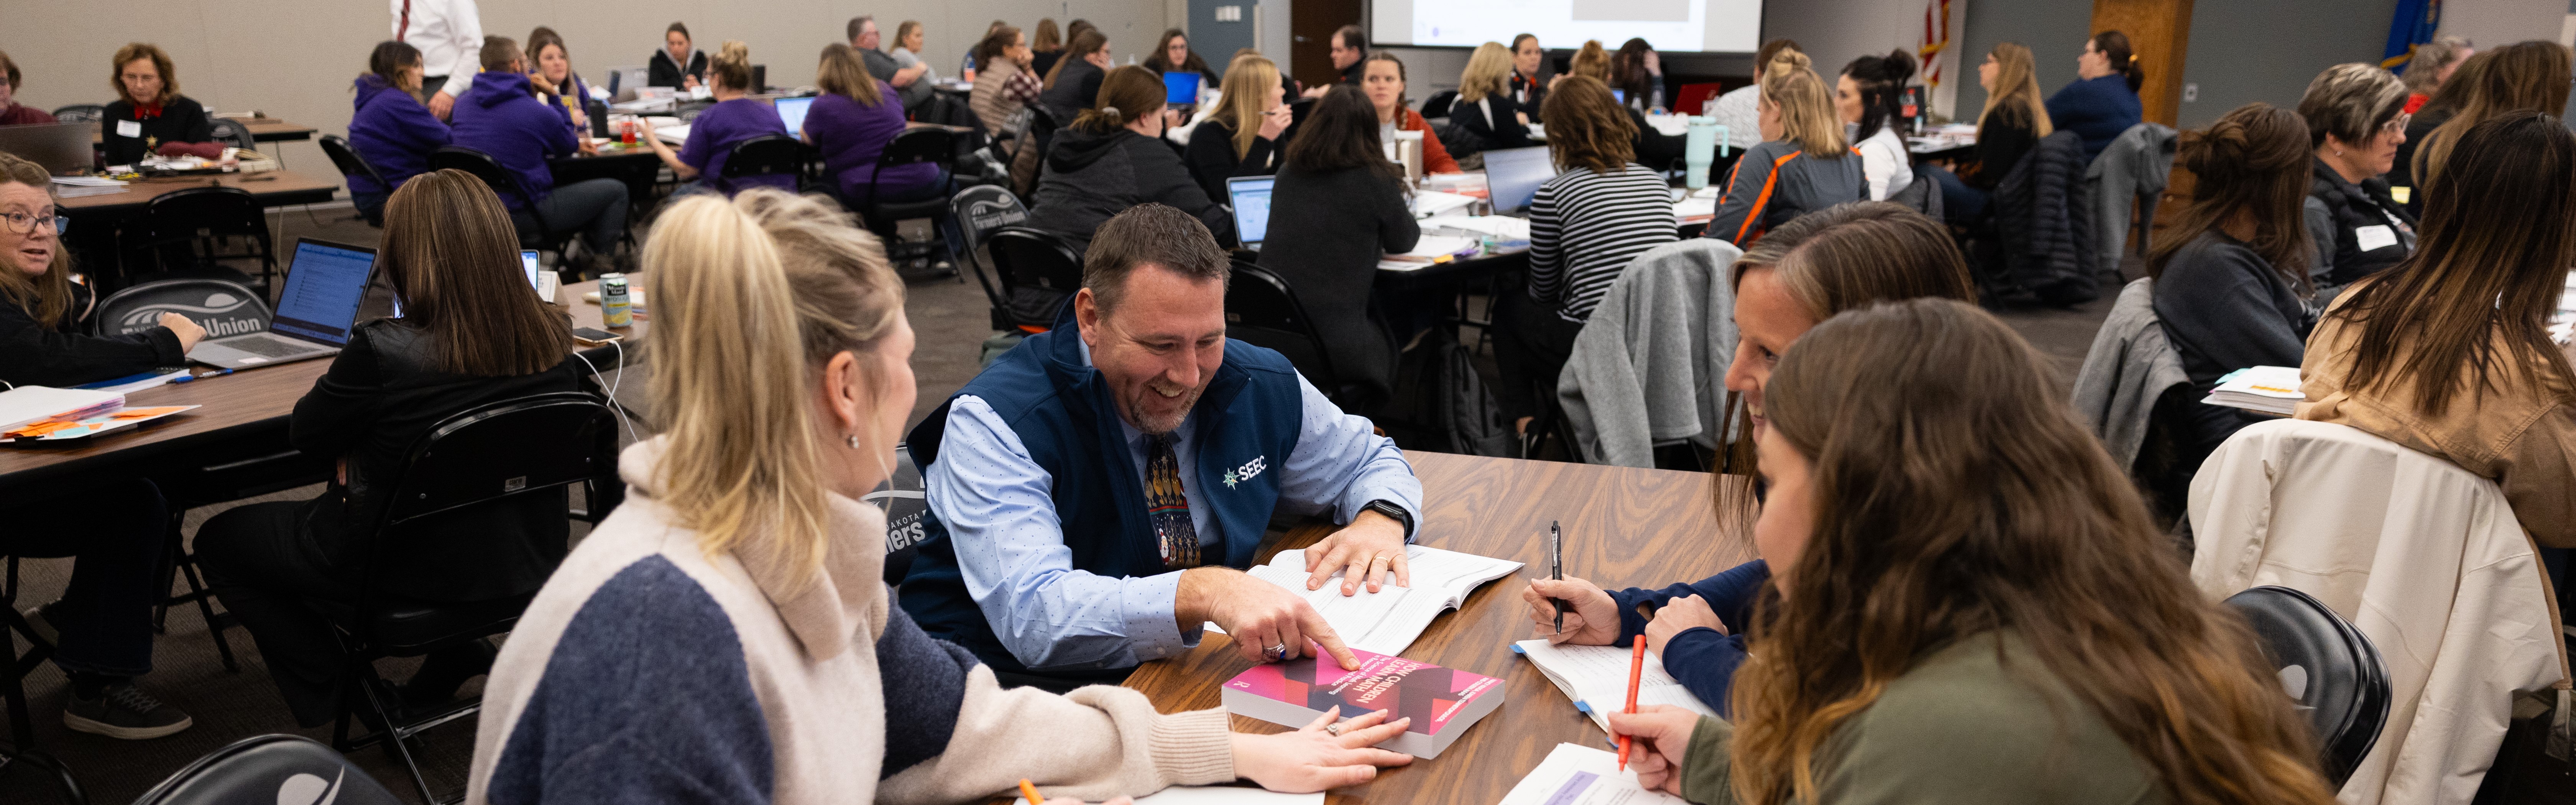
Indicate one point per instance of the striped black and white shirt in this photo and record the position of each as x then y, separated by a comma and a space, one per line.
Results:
1586, 226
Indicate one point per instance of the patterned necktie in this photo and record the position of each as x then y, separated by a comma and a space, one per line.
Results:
1167, 509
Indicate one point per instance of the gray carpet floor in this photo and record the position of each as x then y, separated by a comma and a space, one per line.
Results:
949, 319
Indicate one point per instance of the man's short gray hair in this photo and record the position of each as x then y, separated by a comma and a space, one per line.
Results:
860, 23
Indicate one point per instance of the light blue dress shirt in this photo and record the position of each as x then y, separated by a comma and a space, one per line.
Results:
996, 503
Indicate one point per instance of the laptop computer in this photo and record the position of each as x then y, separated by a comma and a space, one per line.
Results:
1513, 175
325, 281
791, 111
1181, 87
62, 148
1250, 196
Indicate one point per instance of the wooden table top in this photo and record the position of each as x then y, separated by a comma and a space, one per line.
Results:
277, 186
1623, 527
269, 129
588, 314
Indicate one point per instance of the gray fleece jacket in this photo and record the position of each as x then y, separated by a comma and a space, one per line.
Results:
1650, 366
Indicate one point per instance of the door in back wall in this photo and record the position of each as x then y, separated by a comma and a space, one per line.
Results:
1312, 23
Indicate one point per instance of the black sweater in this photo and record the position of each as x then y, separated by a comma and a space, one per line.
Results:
1075, 89
1493, 120
55, 354
1212, 160
1327, 231
664, 72
1090, 177
382, 393
2225, 309
2002, 139
182, 120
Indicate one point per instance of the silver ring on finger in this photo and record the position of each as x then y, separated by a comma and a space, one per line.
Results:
1278, 652
1333, 729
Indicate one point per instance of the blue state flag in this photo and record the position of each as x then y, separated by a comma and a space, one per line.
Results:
2413, 25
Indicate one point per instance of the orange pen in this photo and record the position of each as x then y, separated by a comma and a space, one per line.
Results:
1636, 672
1031, 792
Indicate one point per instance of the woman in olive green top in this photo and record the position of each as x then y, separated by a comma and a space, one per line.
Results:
1968, 602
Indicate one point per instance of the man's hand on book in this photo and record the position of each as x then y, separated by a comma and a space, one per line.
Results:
1327, 754
1259, 616
1371, 548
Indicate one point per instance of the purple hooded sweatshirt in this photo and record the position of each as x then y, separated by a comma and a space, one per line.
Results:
394, 134
501, 116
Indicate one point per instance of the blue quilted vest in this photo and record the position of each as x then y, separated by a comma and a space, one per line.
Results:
1246, 423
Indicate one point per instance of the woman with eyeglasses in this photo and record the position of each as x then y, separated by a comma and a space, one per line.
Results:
104, 618
2356, 119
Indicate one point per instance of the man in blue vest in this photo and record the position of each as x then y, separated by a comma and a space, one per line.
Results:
1099, 488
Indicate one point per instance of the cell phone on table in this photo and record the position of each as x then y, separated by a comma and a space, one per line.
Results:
592, 338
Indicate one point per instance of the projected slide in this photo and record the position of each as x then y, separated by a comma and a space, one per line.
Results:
1670, 25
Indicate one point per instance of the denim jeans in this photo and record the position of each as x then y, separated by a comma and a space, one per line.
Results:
117, 533
1960, 203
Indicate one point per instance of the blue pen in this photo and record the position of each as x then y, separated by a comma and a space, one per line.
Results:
200, 377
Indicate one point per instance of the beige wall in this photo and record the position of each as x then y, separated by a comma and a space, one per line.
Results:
294, 58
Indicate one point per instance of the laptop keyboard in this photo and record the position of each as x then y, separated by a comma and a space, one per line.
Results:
271, 347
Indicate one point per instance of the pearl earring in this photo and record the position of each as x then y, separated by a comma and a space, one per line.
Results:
853, 439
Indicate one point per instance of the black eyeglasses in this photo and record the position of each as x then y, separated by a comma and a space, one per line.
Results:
25, 224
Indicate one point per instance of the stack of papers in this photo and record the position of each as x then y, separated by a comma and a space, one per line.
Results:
26, 404
2269, 389
1582, 775
1695, 207
1596, 678
136, 382
1428, 203
1432, 249
78, 186
1388, 620
1504, 227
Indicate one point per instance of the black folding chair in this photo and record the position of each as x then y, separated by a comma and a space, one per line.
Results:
492, 456
2327, 666
232, 133
346, 158
266, 768
924, 145
506, 184
22, 728
1038, 270
193, 232
1261, 310
1439, 102
772, 155
981, 211
904, 500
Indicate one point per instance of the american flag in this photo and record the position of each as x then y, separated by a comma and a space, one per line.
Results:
1936, 38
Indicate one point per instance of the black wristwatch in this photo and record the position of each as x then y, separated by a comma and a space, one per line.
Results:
1388, 508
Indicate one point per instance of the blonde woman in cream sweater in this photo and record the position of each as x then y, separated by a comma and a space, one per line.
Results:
725, 636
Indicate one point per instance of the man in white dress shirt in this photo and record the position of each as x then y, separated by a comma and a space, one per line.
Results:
449, 34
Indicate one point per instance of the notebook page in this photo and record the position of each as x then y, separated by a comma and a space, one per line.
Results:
1385, 621
1599, 674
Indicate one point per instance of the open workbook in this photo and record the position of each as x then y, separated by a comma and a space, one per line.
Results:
1388, 620
1596, 678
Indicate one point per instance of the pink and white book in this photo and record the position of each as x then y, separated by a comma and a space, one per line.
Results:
1443, 702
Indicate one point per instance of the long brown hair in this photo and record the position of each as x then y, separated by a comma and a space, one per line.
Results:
453, 258
1586, 128
1126, 94
2474, 296
1047, 39
47, 297
2016, 91
2520, 77
1340, 133
1954, 497
841, 73
1086, 42
160, 63
1000, 40
2254, 159
1628, 71
1161, 61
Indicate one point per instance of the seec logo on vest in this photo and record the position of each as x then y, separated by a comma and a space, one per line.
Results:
1245, 472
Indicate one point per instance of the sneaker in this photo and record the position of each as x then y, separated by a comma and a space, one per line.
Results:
124, 711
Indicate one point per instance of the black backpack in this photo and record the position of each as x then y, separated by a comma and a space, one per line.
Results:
1444, 403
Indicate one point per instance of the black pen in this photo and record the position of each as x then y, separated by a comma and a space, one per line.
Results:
1556, 568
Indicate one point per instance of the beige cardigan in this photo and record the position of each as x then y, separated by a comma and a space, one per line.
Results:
620, 683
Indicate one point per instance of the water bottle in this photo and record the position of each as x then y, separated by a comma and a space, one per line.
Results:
613, 309
1699, 150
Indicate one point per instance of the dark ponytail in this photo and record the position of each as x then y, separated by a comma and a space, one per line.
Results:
2114, 46
388, 61
1881, 80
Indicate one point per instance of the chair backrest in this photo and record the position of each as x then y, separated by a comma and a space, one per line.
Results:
1038, 272
1041, 130
924, 144
202, 212
1261, 310
504, 449
904, 501
285, 769
484, 167
2330, 668
223, 308
232, 133
81, 113
981, 211
770, 155
346, 158
1438, 104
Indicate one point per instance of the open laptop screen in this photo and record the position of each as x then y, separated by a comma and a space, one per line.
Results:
1250, 196
1513, 175
324, 284
792, 112
528, 264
